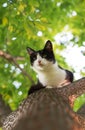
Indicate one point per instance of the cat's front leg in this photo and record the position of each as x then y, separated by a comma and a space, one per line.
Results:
49, 87
35, 88
64, 83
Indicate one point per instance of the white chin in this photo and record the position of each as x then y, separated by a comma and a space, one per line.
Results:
38, 68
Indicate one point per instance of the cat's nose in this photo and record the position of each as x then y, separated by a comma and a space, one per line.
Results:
39, 61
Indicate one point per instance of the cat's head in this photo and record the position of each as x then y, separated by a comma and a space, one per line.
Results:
42, 59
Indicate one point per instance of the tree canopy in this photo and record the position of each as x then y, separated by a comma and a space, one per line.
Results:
30, 23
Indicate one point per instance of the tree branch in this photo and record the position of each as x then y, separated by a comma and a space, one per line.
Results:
14, 61
48, 109
4, 110
9, 57
74, 89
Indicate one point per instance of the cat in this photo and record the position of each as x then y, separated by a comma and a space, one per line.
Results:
50, 74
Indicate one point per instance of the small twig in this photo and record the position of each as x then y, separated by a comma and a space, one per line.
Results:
9, 57
14, 60
23, 71
19, 58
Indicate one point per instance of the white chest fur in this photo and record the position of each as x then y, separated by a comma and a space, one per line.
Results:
52, 76
49, 74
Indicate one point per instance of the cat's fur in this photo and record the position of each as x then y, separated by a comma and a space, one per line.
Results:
50, 74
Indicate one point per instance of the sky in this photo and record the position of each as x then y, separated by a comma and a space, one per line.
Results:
72, 53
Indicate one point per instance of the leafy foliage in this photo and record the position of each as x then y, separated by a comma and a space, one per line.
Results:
30, 23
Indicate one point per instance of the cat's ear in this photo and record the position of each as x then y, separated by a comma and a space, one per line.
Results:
48, 46
30, 51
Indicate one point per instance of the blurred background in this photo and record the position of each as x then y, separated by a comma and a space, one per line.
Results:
30, 23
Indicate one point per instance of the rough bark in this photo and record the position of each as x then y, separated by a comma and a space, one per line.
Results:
81, 111
4, 110
48, 109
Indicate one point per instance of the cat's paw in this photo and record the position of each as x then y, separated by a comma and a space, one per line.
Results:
64, 83
49, 87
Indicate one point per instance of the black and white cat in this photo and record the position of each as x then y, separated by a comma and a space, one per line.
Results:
50, 74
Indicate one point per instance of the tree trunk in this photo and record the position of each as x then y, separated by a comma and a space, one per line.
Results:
4, 110
48, 109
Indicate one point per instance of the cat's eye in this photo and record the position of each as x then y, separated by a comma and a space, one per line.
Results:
34, 58
44, 56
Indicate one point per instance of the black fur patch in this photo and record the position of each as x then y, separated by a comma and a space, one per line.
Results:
35, 88
69, 76
46, 53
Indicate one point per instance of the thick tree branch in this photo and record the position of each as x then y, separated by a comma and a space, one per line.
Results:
48, 109
14, 61
81, 111
4, 110
75, 89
